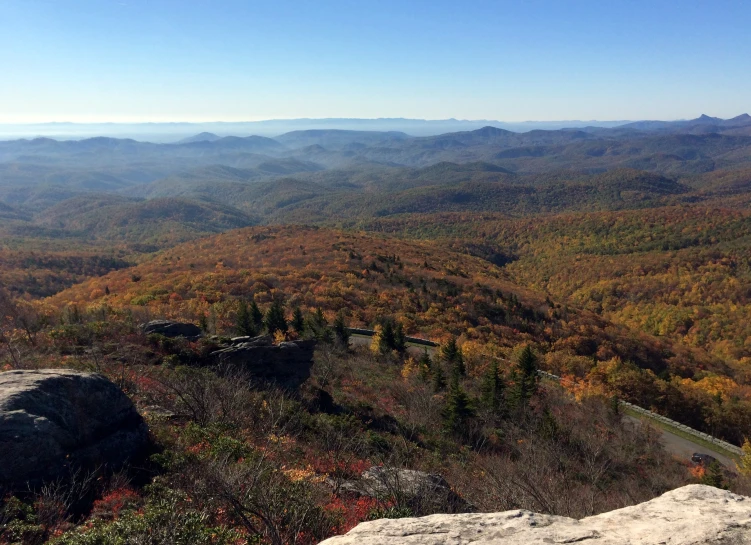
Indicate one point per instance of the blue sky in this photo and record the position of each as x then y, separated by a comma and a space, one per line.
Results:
202, 60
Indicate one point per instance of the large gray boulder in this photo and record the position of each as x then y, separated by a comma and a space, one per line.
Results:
421, 491
55, 420
169, 328
692, 515
287, 364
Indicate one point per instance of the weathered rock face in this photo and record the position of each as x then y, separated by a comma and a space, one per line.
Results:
287, 364
692, 515
426, 492
53, 420
168, 328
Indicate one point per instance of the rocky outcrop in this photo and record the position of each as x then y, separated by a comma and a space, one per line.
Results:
691, 515
55, 420
287, 364
169, 328
422, 492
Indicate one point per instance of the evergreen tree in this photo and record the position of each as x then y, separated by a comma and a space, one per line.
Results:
493, 389
400, 343
425, 365
548, 426
320, 319
256, 315
713, 476
298, 322
340, 329
203, 323
439, 379
452, 355
244, 324
525, 377
615, 406
275, 320
458, 410
386, 341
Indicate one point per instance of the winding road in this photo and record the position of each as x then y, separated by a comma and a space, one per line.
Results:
680, 447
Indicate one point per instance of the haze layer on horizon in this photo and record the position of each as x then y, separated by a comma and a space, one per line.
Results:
89, 61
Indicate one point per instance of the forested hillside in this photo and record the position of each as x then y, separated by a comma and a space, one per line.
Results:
616, 258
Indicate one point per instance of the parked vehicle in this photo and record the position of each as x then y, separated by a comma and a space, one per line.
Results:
702, 459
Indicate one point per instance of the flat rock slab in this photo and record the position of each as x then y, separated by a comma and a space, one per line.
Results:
54, 420
691, 515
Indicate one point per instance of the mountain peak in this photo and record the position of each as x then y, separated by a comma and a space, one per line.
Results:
704, 118
201, 137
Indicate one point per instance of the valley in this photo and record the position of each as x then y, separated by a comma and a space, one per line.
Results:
617, 258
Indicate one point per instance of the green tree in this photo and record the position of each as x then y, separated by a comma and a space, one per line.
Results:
425, 365
400, 342
320, 319
340, 329
256, 315
275, 320
713, 476
298, 322
244, 324
439, 378
525, 377
452, 355
458, 409
493, 390
386, 337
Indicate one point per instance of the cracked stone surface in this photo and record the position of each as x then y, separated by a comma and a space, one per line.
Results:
691, 515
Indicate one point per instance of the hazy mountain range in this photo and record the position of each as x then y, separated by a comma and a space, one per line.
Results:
208, 182
172, 132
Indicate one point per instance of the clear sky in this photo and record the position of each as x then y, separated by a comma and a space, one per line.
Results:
208, 60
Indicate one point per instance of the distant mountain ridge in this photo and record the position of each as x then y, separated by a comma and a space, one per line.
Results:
201, 137
174, 132
187, 132
703, 122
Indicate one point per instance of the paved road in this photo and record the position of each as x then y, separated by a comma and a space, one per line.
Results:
414, 349
678, 446
683, 448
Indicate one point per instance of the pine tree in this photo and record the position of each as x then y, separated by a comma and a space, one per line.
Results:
713, 476
275, 320
386, 342
425, 365
452, 355
320, 319
244, 324
525, 377
400, 343
256, 315
439, 379
298, 322
615, 406
340, 329
493, 389
458, 410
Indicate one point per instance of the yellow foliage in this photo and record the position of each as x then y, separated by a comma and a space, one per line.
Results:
409, 368
744, 464
375, 344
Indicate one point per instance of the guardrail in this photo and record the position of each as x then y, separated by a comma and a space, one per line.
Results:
413, 340
672, 423
649, 414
